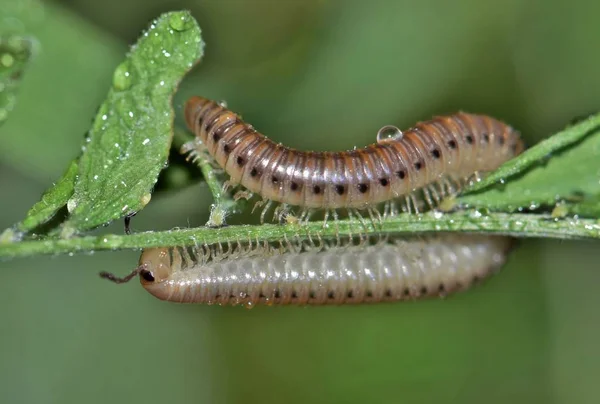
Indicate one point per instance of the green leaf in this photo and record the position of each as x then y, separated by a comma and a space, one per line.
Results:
52, 200
15, 53
566, 166
129, 142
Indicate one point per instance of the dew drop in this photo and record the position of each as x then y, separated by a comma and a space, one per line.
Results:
389, 132
180, 21
146, 199
71, 205
122, 77
7, 60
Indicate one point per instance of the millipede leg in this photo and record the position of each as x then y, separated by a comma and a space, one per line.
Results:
265, 210
242, 195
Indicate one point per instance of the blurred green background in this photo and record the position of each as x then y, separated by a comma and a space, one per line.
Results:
314, 75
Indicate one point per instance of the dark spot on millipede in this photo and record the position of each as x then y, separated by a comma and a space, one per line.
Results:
513, 147
218, 296
339, 189
226, 148
294, 186
369, 293
216, 137
350, 294
253, 172
240, 161
294, 294
406, 292
436, 153
441, 288
452, 144
401, 174
147, 275
388, 292
277, 294
384, 182
485, 138
274, 180
261, 295
312, 294
418, 165
424, 290
475, 279
331, 295
362, 188
469, 139
316, 189
232, 296
501, 140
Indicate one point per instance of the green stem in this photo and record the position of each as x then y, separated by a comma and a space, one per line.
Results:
223, 203
517, 225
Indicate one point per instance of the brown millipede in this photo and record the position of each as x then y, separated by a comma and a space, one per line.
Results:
385, 270
428, 162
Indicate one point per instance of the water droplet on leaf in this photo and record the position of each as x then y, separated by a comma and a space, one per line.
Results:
122, 77
180, 21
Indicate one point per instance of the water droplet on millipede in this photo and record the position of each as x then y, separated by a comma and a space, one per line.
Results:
389, 132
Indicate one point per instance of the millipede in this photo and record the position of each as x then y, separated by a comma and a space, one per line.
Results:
300, 273
422, 165
417, 168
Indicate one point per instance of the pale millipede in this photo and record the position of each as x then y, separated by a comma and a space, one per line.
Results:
385, 270
435, 158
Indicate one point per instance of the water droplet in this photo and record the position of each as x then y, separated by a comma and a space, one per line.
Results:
476, 214
122, 77
7, 60
389, 132
145, 199
71, 205
180, 21
146, 141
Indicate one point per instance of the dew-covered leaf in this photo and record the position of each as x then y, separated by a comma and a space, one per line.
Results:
129, 141
15, 53
52, 200
566, 166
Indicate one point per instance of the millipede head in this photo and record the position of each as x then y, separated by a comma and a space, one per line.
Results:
155, 264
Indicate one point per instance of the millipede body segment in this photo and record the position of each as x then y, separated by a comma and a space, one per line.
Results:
445, 148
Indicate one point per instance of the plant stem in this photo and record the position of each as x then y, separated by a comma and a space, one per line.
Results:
517, 224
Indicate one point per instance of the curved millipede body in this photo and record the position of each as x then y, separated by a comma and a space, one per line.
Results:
383, 271
445, 148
